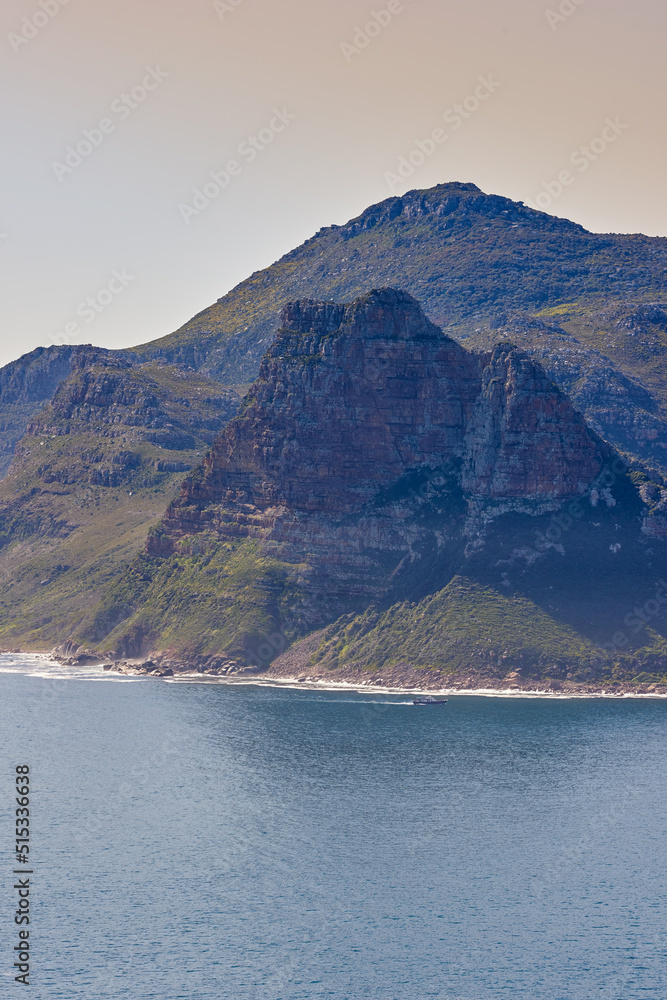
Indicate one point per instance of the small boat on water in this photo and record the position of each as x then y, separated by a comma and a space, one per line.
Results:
428, 699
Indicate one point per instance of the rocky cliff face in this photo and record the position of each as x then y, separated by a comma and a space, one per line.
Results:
347, 400
168, 406
608, 360
383, 482
28, 384
352, 398
367, 441
524, 437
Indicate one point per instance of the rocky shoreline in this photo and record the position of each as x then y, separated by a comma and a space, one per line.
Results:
157, 664
293, 671
429, 682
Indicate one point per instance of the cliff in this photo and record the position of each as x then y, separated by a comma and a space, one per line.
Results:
28, 384
376, 472
350, 399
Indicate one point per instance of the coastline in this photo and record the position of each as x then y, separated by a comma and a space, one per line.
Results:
294, 683
251, 677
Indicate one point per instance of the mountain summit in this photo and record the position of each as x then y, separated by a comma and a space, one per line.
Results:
590, 307
468, 257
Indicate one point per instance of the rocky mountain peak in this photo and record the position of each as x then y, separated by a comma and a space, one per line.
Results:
348, 398
353, 397
524, 438
447, 202
383, 314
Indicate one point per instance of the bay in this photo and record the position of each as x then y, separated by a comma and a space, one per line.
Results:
211, 841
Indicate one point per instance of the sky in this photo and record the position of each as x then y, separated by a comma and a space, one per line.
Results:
158, 152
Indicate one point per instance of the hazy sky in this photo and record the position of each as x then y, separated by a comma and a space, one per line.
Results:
310, 115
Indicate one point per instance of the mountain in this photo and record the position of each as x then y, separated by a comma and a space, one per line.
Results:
468, 257
388, 503
592, 308
99, 441
96, 467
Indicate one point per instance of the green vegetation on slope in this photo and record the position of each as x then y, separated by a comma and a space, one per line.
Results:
548, 593
97, 469
216, 597
464, 626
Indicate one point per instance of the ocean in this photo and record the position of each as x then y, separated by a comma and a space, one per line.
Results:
213, 841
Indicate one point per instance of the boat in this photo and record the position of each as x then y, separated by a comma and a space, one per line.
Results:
428, 699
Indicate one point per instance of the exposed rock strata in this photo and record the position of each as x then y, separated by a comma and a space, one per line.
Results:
524, 438
425, 504
352, 398
368, 439
29, 383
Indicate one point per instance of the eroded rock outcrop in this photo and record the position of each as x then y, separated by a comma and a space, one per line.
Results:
29, 383
347, 400
352, 398
374, 462
525, 439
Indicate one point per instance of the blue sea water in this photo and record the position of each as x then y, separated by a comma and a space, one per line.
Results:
217, 842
